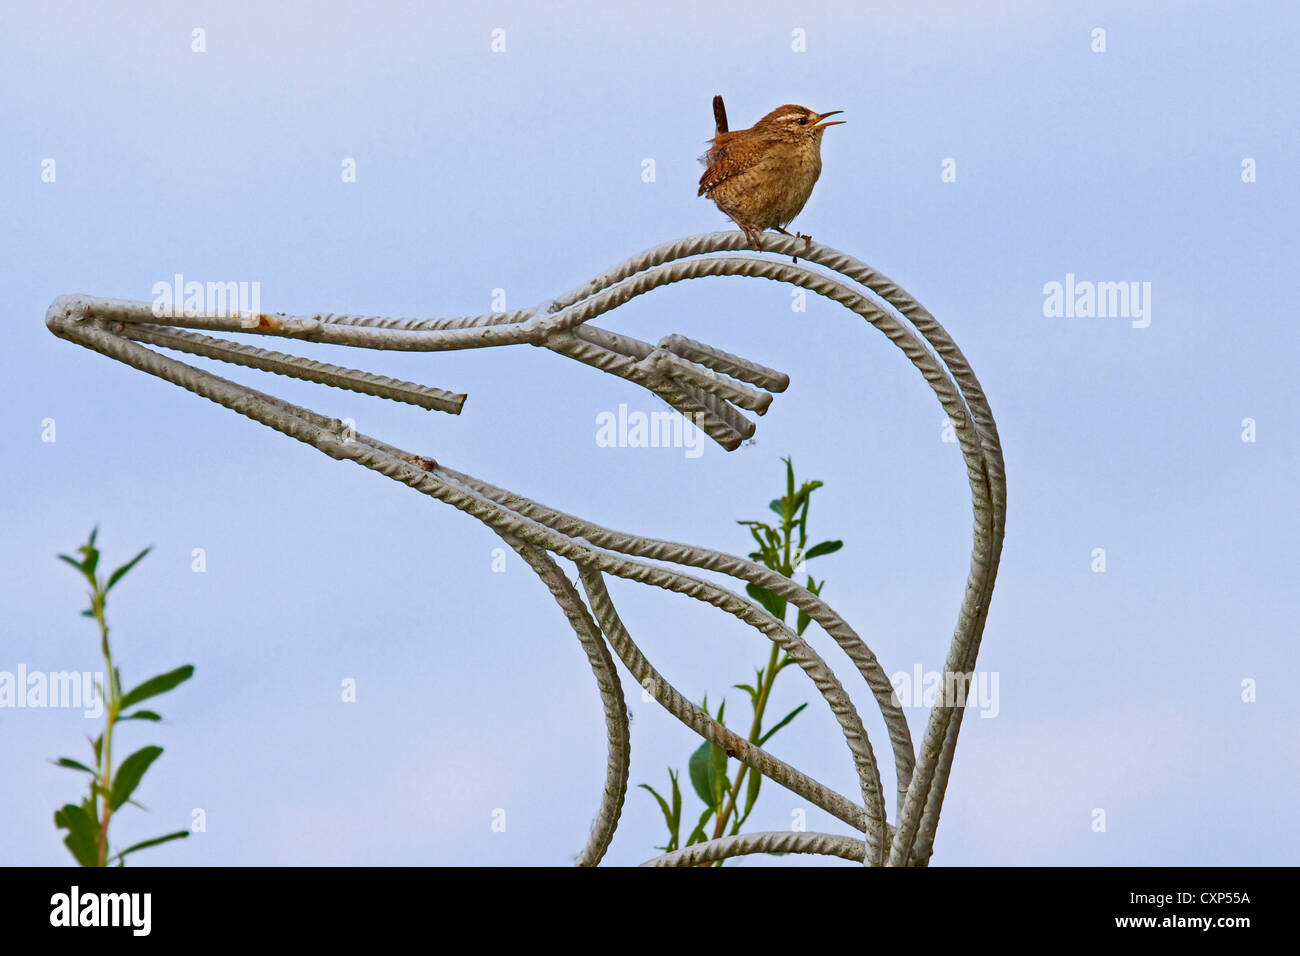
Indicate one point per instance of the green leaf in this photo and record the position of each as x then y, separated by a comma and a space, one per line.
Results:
178, 835
781, 723
98, 743
826, 547
81, 829
701, 770
73, 561
91, 561
777, 506
805, 497
801, 496
663, 805
698, 835
753, 694
751, 793
677, 805
775, 605
129, 774
72, 765
708, 769
766, 553
673, 817
719, 777
117, 575
804, 619
142, 715
158, 685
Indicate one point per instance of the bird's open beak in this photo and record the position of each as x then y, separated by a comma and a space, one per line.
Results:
821, 124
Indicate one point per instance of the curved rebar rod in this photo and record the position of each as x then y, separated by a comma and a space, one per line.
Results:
611, 695
773, 841
747, 571
710, 385
420, 473
699, 721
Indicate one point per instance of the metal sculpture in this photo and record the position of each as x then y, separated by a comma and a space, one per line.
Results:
712, 387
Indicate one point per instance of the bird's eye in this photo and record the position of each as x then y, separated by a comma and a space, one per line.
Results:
803, 121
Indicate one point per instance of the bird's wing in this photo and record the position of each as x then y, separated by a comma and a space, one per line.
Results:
721, 166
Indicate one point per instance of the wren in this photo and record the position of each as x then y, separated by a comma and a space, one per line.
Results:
762, 176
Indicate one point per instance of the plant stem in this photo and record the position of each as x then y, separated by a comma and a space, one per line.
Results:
755, 729
113, 692
788, 523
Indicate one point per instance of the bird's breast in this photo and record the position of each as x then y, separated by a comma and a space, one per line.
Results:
771, 191
786, 184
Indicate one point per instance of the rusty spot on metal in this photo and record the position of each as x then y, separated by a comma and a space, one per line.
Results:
427, 464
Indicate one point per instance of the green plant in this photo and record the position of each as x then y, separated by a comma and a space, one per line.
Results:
784, 549
87, 822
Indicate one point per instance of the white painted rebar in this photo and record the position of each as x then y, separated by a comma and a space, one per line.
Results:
713, 387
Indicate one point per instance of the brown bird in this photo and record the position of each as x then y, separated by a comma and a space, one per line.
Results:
762, 176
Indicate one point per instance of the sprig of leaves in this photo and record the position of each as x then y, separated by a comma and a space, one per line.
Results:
87, 822
784, 549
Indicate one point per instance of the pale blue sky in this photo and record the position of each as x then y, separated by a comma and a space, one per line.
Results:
522, 171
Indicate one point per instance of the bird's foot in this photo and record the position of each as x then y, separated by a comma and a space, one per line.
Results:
807, 241
807, 244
